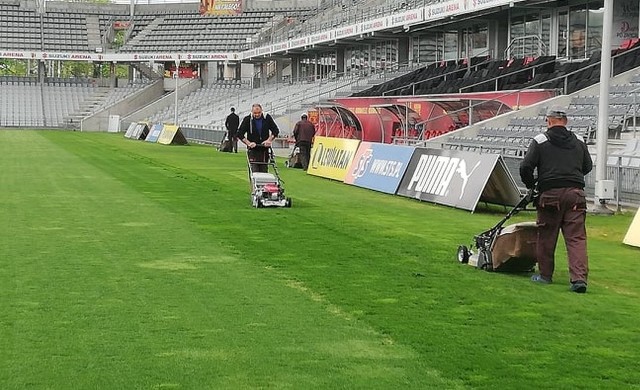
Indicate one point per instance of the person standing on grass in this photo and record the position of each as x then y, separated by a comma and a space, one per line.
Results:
258, 131
303, 132
562, 160
231, 123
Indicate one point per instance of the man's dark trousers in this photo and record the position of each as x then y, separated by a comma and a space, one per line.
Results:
305, 153
563, 209
259, 157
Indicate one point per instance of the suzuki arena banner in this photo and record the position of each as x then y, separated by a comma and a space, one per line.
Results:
633, 234
379, 166
331, 157
458, 179
171, 135
154, 133
220, 7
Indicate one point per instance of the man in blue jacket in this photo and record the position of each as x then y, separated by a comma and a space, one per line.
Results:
562, 160
258, 131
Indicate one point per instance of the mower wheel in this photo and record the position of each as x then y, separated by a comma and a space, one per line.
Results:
463, 254
260, 204
287, 203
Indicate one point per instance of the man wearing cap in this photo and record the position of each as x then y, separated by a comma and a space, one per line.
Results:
303, 132
562, 160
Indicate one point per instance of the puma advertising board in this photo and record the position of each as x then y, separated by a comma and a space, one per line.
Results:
458, 179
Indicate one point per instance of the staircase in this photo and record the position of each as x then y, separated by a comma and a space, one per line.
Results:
146, 70
142, 34
93, 32
87, 107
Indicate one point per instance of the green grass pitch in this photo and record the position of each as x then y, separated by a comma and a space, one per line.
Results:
127, 265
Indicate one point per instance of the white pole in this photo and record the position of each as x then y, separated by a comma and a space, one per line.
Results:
177, 75
603, 111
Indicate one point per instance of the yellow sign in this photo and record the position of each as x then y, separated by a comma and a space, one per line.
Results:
633, 234
171, 135
331, 157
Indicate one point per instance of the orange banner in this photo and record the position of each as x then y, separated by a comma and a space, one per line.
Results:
220, 7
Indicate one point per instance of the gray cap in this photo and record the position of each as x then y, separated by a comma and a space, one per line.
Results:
556, 112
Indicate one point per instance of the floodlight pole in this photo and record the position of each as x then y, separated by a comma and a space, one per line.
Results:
177, 76
602, 134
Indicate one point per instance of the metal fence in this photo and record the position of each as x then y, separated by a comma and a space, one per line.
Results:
626, 180
203, 136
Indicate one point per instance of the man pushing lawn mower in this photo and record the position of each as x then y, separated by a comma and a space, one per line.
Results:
266, 187
561, 160
257, 131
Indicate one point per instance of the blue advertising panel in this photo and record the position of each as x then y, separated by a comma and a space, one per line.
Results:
154, 133
379, 167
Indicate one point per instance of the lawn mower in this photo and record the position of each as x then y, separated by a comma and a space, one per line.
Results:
502, 248
294, 160
266, 187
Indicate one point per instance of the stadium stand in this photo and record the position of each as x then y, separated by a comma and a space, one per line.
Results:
190, 31
19, 28
196, 109
483, 74
628, 156
514, 139
57, 103
84, 27
338, 13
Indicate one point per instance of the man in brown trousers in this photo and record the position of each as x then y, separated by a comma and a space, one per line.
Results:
303, 132
562, 160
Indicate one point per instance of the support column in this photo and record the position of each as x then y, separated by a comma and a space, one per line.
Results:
279, 69
602, 135
112, 75
403, 50
295, 68
340, 53
229, 71
263, 74
316, 68
42, 70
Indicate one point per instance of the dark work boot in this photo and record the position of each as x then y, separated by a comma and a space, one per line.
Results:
579, 287
540, 279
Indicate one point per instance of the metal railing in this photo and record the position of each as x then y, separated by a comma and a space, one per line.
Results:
443, 75
497, 78
633, 92
626, 180
537, 41
348, 16
203, 135
319, 87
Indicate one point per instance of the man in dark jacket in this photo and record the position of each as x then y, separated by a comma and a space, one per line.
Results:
231, 123
562, 160
257, 131
303, 132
